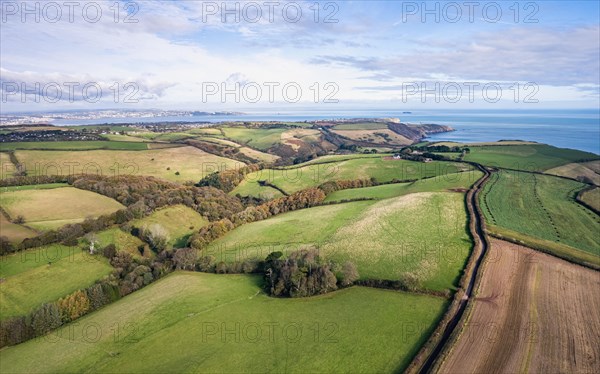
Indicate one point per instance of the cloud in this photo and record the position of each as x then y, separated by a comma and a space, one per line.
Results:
540, 55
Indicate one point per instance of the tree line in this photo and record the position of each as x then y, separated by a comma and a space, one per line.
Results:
299, 200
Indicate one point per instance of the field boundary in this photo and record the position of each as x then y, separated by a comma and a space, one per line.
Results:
580, 201
564, 252
428, 357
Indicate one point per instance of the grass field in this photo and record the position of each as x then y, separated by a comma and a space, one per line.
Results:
437, 184
538, 157
206, 131
333, 158
589, 170
257, 138
75, 145
375, 136
47, 186
542, 207
296, 179
29, 279
124, 138
183, 321
15, 233
592, 198
422, 234
122, 240
52, 208
180, 221
191, 163
7, 168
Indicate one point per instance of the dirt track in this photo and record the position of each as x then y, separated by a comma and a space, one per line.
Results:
533, 313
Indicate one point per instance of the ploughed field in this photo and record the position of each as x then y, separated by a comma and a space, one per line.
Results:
532, 313
193, 322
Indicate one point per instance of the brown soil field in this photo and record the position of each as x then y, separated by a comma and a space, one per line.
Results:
533, 313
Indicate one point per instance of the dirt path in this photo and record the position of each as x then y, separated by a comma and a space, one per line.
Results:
534, 313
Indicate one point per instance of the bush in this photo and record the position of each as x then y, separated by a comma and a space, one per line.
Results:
185, 259
157, 236
45, 318
109, 251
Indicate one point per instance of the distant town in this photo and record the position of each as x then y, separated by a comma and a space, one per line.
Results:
48, 117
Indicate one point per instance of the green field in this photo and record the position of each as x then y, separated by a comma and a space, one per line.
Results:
262, 139
542, 207
75, 145
123, 138
206, 131
179, 221
29, 279
48, 209
7, 168
422, 234
47, 186
436, 184
296, 179
535, 157
193, 322
333, 158
122, 240
191, 163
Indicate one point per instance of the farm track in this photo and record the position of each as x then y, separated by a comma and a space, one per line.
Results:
477, 230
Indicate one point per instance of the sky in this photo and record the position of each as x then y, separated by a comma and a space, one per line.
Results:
291, 55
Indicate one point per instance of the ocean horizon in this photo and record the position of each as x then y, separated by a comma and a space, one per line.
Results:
576, 128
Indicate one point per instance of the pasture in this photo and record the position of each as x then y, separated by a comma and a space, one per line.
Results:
44, 274
592, 198
421, 234
375, 136
48, 209
179, 221
123, 241
7, 168
191, 163
224, 323
13, 232
449, 182
532, 157
589, 170
76, 145
541, 206
260, 138
314, 174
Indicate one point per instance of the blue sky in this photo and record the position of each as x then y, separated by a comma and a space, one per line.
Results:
366, 54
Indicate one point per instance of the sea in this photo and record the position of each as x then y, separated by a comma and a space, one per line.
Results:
576, 129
